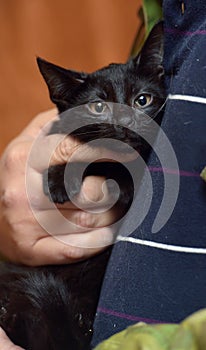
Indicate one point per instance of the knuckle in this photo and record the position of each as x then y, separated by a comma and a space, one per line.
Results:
14, 156
85, 219
62, 153
92, 188
73, 253
10, 198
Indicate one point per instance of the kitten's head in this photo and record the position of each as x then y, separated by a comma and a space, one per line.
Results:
139, 83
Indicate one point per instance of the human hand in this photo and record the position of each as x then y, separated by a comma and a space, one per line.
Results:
22, 238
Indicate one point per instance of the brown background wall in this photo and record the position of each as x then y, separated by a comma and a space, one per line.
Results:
78, 34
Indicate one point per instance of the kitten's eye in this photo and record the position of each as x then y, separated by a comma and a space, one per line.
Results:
143, 100
98, 107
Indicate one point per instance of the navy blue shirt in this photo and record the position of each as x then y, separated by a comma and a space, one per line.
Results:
161, 277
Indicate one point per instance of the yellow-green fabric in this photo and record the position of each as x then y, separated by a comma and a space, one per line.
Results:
203, 174
188, 335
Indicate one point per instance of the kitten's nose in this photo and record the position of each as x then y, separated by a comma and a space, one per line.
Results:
124, 115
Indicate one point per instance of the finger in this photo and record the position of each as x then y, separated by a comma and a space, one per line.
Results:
5, 342
93, 239
95, 195
61, 149
94, 200
92, 190
60, 222
50, 250
34, 246
69, 149
90, 209
43, 149
35, 195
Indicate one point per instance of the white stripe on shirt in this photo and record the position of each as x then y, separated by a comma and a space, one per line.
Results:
188, 98
163, 246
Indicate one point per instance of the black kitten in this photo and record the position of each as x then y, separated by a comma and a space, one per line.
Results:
53, 307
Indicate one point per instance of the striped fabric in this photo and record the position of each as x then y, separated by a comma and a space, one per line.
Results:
161, 277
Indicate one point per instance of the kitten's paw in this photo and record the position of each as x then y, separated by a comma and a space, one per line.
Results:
57, 186
53, 184
59, 196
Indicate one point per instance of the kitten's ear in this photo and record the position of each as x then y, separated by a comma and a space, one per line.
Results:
151, 55
60, 81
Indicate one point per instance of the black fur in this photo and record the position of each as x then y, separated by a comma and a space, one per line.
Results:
53, 307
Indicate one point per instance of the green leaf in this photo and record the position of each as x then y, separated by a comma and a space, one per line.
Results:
149, 14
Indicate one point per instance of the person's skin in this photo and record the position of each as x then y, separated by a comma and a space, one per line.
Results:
22, 239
